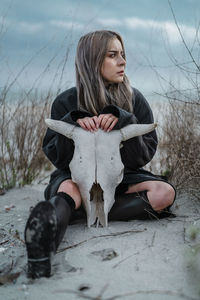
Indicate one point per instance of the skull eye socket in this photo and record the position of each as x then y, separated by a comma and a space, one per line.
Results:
112, 158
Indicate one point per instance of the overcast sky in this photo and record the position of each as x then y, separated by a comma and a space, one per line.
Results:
38, 36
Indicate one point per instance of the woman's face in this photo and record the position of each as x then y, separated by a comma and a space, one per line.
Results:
113, 66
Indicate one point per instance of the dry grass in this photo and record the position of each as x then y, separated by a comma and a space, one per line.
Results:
179, 135
178, 155
22, 129
22, 119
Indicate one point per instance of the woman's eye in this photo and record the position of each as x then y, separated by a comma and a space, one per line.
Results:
112, 55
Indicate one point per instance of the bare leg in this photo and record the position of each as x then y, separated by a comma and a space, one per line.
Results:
71, 188
159, 193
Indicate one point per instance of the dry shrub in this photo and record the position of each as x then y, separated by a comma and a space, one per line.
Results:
179, 145
22, 114
178, 155
22, 129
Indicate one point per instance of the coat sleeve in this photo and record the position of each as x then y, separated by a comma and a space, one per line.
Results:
138, 151
58, 148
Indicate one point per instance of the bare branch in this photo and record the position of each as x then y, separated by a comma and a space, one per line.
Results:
181, 35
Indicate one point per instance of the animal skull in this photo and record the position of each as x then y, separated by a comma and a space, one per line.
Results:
96, 165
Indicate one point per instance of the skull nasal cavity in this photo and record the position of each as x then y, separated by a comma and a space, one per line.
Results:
96, 192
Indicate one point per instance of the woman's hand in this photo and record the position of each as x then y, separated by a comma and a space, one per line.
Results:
89, 123
107, 121
104, 121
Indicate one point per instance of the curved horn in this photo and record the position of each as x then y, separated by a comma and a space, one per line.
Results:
133, 130
61, 127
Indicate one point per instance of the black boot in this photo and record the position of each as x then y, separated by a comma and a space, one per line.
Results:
134, 206
44, 231
65, 207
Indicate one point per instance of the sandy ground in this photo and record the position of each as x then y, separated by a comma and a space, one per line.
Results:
127, 260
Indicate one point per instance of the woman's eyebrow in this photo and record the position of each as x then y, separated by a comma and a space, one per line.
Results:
115, 51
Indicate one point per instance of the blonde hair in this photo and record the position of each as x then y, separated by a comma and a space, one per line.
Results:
92, 93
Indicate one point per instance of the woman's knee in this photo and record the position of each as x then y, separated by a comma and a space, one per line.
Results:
69, 187
164, 195
168, 194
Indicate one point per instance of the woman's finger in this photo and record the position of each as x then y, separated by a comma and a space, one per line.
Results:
100, 117
106, 123
87, 123
96, 121
103, 119
112, 124
81, 123
92, 124
84, 123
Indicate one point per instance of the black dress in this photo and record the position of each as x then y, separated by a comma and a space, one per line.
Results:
135, 153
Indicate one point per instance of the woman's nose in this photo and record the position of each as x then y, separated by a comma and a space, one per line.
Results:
121, 61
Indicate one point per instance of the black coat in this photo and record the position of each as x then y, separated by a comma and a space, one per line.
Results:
135, 153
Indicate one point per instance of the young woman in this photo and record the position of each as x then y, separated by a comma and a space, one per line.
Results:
102, 98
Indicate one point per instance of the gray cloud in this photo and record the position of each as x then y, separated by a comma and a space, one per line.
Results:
163, 27
146, 26
67, 24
